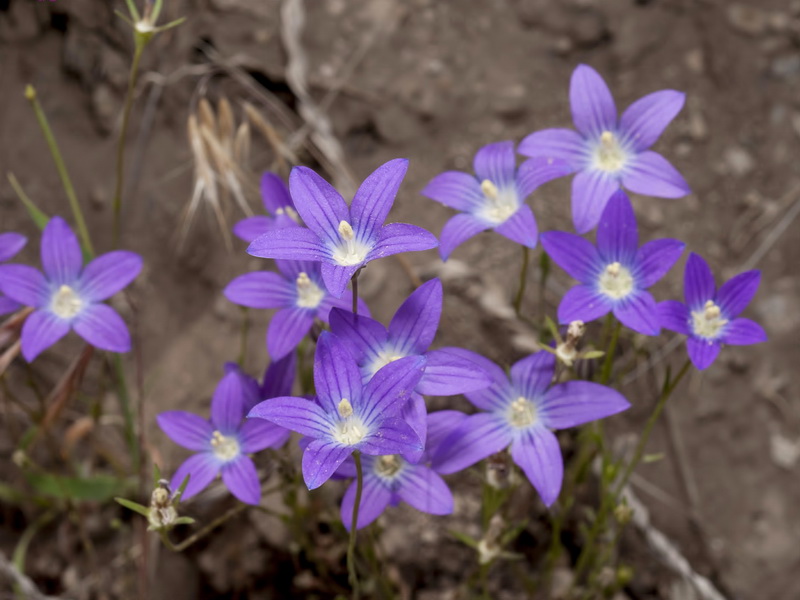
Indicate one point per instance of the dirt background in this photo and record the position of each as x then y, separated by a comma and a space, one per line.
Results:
430, 81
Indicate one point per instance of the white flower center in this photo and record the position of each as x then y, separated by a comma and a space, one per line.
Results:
384, 358
389, 466
609, 155
522, 413
350, 430
500, 204
616, 281
350, 251
225, 447
309, 294
289, 212
708, 322
66, 303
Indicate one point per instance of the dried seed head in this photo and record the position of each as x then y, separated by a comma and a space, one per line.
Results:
226, 124
206, 114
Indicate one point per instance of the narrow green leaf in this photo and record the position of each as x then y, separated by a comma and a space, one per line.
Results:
464, 538
134, 506
37, 216
183, 521
124, 17
592, 354
169, 25
97, 488
181, 489
651, 458
134, 12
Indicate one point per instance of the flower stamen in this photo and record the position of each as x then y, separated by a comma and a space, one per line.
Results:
388, 466
708, 322
309, 294
616, 281
351, 252
609, 155
66, 303
522, 413
500, 203
225, 447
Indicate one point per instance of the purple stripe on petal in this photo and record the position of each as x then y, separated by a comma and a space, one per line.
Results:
395, 238
657, 257
24, 284
364, 337
103, 328
61, 253
295, 243
477, 437
743, 332
40, 331
393, 436
321, 207
617, 234
425, 490
227, 404
538, 171
390, 388
520, 227
735, 294
336, 374
593, 108
261, 289
643, 121
448, 373
337, 277
577, 402
320, 459
414, 325
11, 244
674, 315
639, 312
533, 374
559, 144
455, 189
440, 425
109, 273
582, 303
458, 230
576, 255
304, 416
202, 468
496, 162
274, 193
257, 434
241, 478
591, 191
539, 456
698, 282
650, 174
702, 352
252, 227
375, 498
186, 429
375, 196
286, 329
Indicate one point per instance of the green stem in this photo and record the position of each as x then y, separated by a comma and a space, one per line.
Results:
523, 279
351, 547
30, 94
204, 531
127, 412
117, 203
354, 282
605, 375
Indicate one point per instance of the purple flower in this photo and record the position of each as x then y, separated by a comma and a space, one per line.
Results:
347, 415
614, 275
10, 244
300, 294
709, 316
343, 238
609, 153
523, 413
494, 198
280, 210
222, 444
278, 381
68, 296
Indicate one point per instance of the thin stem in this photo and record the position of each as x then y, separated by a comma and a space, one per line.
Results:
351, 547
117, 203
523, 279
354, 282
204, 531
605, 375
127, 412
30, 94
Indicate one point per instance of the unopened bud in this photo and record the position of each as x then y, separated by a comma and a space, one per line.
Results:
623, 513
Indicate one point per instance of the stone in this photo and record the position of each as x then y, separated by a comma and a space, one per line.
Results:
738, 161
748, 20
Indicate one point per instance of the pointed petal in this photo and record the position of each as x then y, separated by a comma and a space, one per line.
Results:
657, 257
735, 294
292, 243
591, 191
10, 245
593, 108
698, 282
61, 253
24, 284
477, 437
494, 396
702, 352
375, 196
539, 456
415, 414
639, 312
321, 207
576, 255
186, 429
321, 459
426, 491
458, 230
103, 328
202, 469
561, 144
440, 425
336, 374
538, 171
455, 189
450, 373
109, 273
375, 498
241, 478
414, 325
577, 402
395, 238
40, 331
650, 174
7, 305
643, 121
337, 277
618, 235
227, 404
393, 436
390, 388
496, 162
520, 227
274, 193
257, 434
743, 332
279, 377
306, 417
582, 303
533, 374
261, 289
363, 336
286, 329
252, 227
674, 315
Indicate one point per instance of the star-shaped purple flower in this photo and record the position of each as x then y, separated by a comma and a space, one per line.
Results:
222, 443
347, 415
493, 198
523, 413
608, 153
69, 296
298, 291
710, 315
343, 238
10, 244
614, 275
280, 210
